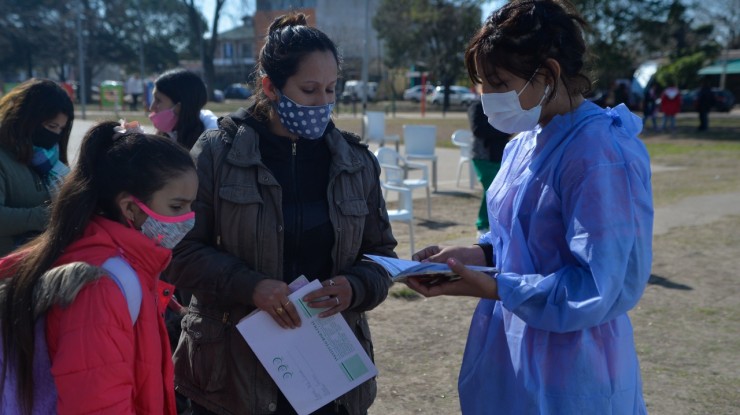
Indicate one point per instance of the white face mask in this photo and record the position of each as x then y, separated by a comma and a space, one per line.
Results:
505, 112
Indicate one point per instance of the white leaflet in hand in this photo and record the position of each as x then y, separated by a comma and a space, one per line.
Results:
313, 364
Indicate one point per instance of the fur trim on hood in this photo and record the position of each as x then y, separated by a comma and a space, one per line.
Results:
59, 285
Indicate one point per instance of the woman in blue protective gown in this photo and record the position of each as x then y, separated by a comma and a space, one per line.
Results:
571, 219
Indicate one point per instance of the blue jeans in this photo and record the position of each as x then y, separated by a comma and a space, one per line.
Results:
673, 121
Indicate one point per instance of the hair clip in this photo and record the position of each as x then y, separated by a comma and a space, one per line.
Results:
127, 128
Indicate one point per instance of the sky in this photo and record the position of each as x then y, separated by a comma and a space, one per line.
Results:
235, 9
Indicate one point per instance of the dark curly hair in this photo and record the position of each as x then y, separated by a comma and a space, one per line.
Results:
522, 35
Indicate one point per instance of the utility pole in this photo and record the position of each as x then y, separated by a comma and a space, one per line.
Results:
82, 91
141, 55
366, 57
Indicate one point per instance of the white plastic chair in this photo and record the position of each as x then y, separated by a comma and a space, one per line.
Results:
420, 142
396, 171
405, 210
374, 127
464, 140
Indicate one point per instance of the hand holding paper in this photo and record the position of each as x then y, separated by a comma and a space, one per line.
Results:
427, 273
469, 255
314, 363
470, 283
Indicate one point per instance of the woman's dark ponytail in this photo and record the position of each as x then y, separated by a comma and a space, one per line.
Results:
289, 39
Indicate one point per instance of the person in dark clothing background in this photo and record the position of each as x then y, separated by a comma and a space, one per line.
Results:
649, 105
488, 150
704, 103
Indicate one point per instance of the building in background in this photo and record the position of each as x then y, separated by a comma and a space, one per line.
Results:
235, 54
729, 63
342, 20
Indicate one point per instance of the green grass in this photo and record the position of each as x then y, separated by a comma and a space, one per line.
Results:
682, 147
724, 134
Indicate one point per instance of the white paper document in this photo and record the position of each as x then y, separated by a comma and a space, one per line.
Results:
314, 363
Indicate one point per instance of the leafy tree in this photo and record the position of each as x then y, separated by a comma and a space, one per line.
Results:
682, 71
433, 33
620, 34
625, 32
25, 34
40, 36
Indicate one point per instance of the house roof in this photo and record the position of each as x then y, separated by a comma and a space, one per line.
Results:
238, 33
733, 67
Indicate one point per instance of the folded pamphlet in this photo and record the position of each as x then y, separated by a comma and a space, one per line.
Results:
430, 273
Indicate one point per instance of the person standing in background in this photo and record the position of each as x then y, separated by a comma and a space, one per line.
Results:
35, 122
135, 88
177, 110
648, 106
670, 105
704, 104
488, 150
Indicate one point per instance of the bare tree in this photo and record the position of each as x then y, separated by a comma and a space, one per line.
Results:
208, 46
725, 16
431, 32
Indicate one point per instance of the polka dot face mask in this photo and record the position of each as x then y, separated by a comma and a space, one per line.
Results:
305, 121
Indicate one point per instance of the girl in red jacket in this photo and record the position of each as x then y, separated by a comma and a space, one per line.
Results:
670, 105
129, 196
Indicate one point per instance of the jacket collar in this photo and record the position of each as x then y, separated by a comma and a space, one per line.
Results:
104, 238
245, 152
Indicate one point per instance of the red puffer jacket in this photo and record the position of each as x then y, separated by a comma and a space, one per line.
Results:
100, 363
670, 101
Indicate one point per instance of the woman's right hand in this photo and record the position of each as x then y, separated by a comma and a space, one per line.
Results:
471, 284
468, 255
271, 296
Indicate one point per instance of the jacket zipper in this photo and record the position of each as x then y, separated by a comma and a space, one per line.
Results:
297, 210
335, 223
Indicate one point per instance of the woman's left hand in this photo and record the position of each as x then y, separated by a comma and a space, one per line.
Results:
335, 296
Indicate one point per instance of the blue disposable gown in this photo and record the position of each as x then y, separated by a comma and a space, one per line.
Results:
571, 218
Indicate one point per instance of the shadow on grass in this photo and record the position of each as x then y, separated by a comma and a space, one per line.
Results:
666, 283
457, 193
436, 225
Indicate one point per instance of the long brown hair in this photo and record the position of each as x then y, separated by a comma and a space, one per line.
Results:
108, 164
25, 108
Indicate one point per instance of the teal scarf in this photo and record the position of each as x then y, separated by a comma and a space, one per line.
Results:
47, 164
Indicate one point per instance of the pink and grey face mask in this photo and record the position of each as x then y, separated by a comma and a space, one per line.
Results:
167, 231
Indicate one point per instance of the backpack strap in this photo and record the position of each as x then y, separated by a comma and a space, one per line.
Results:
128, 281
